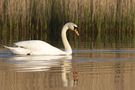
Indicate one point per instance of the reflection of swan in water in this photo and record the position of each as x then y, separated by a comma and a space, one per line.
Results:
43, 63
37, 63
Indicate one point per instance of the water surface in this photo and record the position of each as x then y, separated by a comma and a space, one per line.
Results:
86, 69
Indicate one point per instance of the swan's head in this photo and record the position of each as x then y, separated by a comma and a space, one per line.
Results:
73, 27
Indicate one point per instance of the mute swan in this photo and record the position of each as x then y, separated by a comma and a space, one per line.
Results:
38, 47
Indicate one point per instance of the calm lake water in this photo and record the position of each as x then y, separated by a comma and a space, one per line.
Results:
86, 69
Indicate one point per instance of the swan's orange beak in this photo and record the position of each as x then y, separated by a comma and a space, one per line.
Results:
76, 31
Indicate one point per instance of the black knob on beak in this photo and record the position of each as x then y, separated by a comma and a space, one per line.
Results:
76, 30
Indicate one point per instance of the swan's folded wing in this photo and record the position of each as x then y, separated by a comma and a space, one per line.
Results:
39, 47
34, 45
18, 50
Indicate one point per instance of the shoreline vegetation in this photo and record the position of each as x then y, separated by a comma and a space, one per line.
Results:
99, 21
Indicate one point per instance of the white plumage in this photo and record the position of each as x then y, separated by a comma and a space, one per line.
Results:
38, 47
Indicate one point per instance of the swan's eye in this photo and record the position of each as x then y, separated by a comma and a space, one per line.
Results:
75, 28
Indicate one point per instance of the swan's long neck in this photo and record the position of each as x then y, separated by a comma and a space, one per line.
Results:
67, 46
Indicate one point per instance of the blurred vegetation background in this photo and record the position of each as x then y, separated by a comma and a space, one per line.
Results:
99, 21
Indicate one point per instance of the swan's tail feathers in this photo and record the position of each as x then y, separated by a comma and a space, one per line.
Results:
7, 47
13, 49
1, 45
18, 50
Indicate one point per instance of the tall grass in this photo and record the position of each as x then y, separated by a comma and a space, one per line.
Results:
108, 21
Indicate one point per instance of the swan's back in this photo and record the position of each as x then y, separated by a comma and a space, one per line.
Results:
33, 44
38, 47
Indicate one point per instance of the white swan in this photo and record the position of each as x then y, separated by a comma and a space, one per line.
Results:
38, 47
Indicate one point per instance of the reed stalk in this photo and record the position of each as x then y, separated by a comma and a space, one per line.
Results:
109, 21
